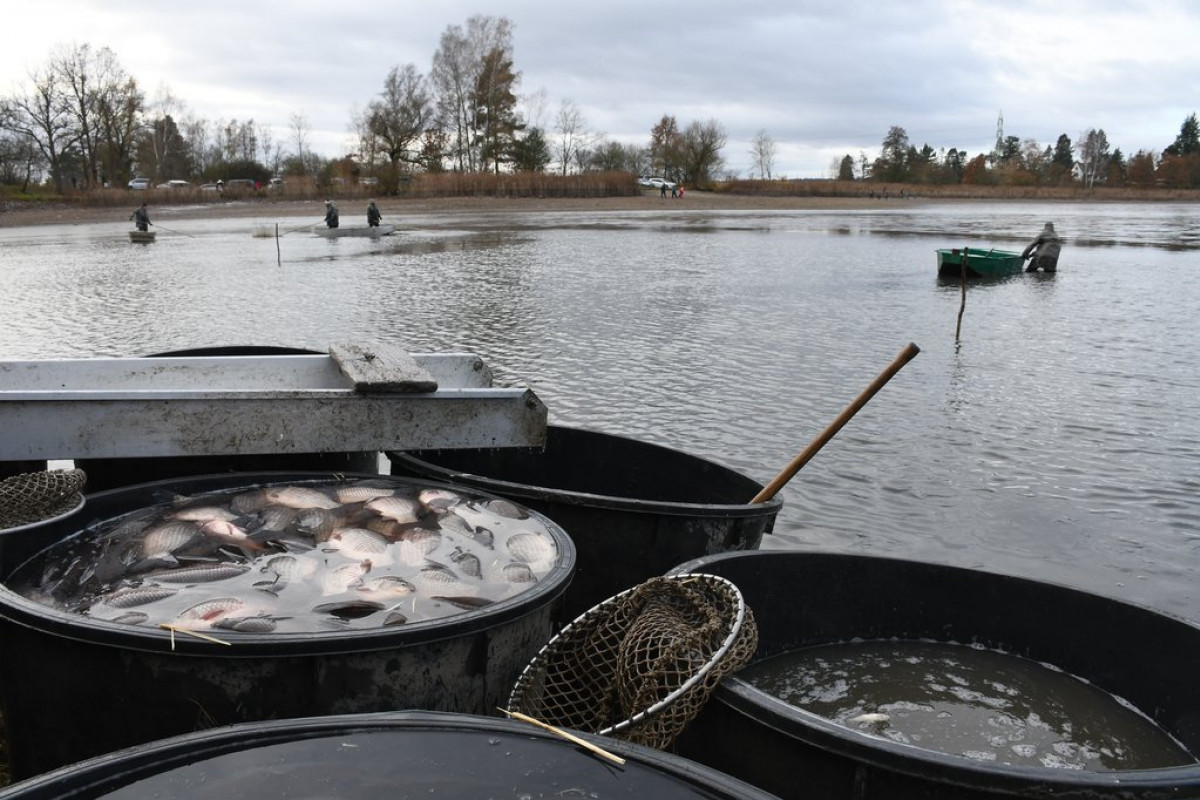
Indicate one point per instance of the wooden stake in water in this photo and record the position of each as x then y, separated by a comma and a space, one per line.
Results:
788, 472
278, 255
962, 306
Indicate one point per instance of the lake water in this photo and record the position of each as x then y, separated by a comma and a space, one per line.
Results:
1058, 438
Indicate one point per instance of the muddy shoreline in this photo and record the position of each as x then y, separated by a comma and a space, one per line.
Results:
352, 208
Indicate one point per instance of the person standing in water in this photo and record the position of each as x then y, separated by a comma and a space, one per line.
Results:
373, 215
141, 218
331, 214
1043, 251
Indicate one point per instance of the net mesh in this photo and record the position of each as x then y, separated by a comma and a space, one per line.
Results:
640, 665
35, 496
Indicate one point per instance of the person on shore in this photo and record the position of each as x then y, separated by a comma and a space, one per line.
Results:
662, 190
331, 214
1043, 251
373, 215
141, 218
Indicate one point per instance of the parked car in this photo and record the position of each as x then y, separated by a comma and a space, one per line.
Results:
368, 181
139, 183
210, 187
239, 183
654, 182
174, 185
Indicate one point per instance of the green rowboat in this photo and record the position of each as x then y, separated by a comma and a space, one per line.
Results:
980, 263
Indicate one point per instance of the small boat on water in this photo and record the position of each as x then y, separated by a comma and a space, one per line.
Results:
337, 233
144, 237
980, 263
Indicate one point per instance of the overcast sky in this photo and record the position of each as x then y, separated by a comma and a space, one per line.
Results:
823, 79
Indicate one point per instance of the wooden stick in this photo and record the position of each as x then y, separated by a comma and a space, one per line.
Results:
788, 472
173, 628
613, 757
962, 306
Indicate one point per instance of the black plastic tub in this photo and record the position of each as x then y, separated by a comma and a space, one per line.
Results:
633, 509
72, 686
112, 473
802, 599
372, 756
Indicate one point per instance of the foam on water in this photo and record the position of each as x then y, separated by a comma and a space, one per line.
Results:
983, 705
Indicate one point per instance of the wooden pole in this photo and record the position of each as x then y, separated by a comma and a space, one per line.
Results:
278, 255
962, 306
788, 472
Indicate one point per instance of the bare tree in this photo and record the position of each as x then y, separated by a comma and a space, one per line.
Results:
666, 147
572, 137
300, 133
161, 132
1093, 156
701, 151
398, 118
86, 76
762, 154
458, 66
42, 116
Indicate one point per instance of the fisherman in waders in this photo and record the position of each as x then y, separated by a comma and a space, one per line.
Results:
141, 218
331, 214
1043, 251
373, 215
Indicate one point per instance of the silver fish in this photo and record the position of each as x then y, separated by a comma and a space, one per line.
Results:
202, 573
530, 547
255, 624
484, 537
387, 585
250, 502
276, 518
453, 523
288, 568
341, 578
438, 500
400, 509
229, 533
504, 508
518, 572
467, 562
300, 497
358, 493
168, 538
137, 596
467, 603
438, 573
316, 522
202, 514
359, 542
415, 544
211, 610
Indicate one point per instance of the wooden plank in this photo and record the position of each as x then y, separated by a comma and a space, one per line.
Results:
382, 368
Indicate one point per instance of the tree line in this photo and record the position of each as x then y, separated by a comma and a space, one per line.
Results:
1089, 161
81, 121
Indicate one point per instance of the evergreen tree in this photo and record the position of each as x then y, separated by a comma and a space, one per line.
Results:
846, 168
1188, 141
531, 153
1064, 156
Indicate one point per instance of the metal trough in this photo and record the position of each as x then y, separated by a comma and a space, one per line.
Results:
355, 399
